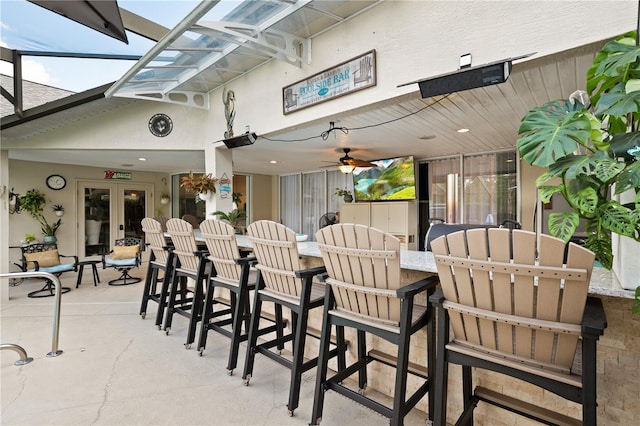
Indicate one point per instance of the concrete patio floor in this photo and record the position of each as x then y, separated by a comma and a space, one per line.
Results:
117, 369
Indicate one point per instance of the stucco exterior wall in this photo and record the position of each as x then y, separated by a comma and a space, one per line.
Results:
25, 175
418, 39
125, 128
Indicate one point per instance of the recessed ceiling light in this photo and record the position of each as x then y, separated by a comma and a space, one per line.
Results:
273, 162
142, 159
463, 130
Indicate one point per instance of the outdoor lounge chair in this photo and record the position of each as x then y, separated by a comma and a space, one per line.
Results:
46, 258
124, 256
523, 316
365, 293
282, 281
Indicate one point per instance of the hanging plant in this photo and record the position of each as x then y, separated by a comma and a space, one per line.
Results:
199, 184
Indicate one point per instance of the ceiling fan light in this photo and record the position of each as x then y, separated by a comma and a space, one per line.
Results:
346, 168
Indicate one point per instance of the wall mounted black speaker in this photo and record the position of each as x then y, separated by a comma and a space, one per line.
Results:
464, 79
242, 140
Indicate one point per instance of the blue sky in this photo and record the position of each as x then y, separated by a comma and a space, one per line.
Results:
26, 26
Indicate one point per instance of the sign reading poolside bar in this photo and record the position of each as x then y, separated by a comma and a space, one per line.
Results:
348, 77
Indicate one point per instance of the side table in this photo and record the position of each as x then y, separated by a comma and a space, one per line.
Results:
94, 269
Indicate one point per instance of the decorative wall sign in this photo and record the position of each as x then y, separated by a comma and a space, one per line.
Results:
113, 175
224, 187
348, 77
160, 125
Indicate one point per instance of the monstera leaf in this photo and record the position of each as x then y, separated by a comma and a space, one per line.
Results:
586, 149
563, 224
618, 102
616, 62
552, 132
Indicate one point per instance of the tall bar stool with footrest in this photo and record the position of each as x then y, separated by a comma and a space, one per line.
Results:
365, 292
160, 259
190, 263
515, 309
281, 281
232, 272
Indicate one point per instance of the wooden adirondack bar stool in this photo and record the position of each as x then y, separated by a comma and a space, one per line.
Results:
364, 292
160, 259
523, 316
232, 272
282, 281
190, 263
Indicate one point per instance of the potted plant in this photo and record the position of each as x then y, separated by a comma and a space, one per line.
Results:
49, 230
590, 144
204, 184
58, 209
33, 203
345, 194
164, 198
28, 238
233, 217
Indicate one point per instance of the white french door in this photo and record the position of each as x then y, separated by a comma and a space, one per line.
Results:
108, 211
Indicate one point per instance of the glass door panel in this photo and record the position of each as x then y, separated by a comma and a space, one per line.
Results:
97, 214
135, 201
109, 211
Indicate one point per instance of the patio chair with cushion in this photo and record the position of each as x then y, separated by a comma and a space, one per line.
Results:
191, 266
230, 272
365, 293
46, 258
124, 256
283, 282
524, 315
160, 259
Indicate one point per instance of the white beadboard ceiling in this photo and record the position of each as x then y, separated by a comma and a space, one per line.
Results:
492, 114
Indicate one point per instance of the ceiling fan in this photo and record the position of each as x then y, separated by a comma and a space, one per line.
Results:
346, 164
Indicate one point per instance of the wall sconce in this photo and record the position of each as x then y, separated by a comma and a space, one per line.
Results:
346, 168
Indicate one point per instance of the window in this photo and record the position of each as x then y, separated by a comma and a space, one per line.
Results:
290, 201
478, 189
305, 197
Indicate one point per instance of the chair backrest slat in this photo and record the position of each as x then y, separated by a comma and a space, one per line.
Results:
358, 257
275, 248
223, 248
185, 244
533, 285
152, 229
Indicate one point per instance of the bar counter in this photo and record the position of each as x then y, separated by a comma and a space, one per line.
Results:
603, 281
618, 354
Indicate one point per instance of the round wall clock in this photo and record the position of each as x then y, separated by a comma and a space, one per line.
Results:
160, 125
56, 182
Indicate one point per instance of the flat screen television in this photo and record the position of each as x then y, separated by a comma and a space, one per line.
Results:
392, 179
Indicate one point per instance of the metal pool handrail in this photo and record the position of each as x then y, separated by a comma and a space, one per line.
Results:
56, 307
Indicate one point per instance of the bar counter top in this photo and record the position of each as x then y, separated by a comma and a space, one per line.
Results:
603, 281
